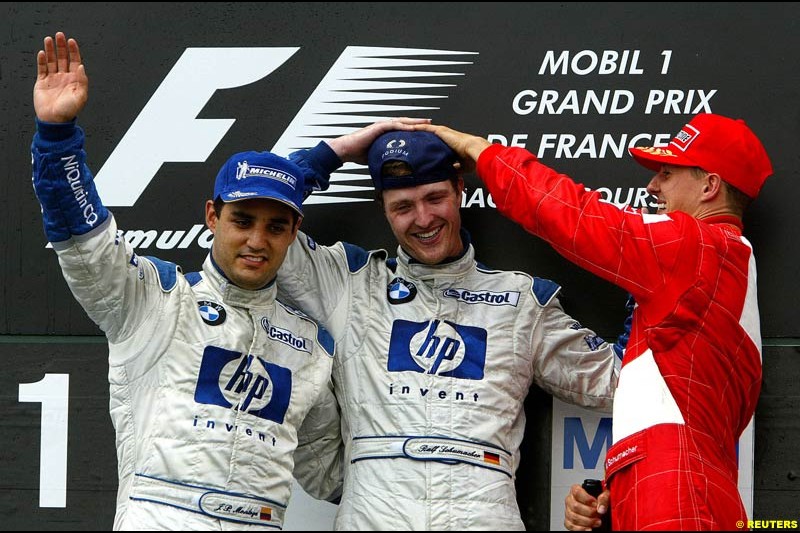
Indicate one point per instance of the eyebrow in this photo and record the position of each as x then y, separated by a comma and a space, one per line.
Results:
436, 194
399, 203
280, 219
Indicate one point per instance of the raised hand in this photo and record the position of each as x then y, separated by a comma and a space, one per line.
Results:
353, 147
61, 88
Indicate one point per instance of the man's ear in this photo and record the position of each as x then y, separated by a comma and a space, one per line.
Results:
211, 216
712, 186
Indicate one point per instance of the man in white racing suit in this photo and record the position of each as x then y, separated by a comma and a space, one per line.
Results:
218, 391
436, 353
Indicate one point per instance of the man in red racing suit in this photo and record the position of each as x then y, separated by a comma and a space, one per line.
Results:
691, 375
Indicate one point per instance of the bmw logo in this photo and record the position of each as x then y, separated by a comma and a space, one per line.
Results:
212, 313
400, 291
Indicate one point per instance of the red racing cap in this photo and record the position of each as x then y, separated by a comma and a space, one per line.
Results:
717, 144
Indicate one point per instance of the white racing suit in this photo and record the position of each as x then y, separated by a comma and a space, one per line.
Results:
213, 388
433, 365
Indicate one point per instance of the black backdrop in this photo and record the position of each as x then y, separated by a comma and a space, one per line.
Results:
736, 59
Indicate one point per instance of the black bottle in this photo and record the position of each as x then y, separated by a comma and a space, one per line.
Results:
595, 488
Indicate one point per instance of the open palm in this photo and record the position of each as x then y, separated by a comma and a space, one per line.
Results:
61, 88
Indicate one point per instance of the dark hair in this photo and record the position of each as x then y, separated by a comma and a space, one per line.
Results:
396, 169
737, 200
219, 204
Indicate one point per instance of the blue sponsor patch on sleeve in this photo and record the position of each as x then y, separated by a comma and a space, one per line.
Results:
325, 339
594, 341
544, 290
311, 242
356, 257
193, 278
167, 273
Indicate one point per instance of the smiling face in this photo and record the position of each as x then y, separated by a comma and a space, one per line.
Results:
678, 188
251, 238
425, 219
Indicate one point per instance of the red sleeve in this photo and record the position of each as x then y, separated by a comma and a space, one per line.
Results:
623, 246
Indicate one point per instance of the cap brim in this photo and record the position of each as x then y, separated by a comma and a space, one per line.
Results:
652, 158
276, 197
403, 182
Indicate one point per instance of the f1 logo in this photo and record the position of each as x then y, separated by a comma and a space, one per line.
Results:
436, 347
168, 130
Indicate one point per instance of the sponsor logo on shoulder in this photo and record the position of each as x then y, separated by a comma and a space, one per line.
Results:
593, 341
285, 336
400, 291
212, 313
483, 297
311, 242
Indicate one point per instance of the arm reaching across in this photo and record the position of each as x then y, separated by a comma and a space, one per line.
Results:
468, 147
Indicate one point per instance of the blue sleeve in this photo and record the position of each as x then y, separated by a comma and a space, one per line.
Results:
622, 340
318, 164
63, 183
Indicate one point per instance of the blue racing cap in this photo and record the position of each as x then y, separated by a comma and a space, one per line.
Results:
430, 159
260, 175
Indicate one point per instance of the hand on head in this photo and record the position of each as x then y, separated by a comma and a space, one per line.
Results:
467, 147
353, 146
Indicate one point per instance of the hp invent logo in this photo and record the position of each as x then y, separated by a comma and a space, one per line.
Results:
437, 347
244, 382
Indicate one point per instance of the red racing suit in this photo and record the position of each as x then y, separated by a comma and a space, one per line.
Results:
691, 374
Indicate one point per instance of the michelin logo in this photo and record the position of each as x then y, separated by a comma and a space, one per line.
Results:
244, 170
483, 297
286, 337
